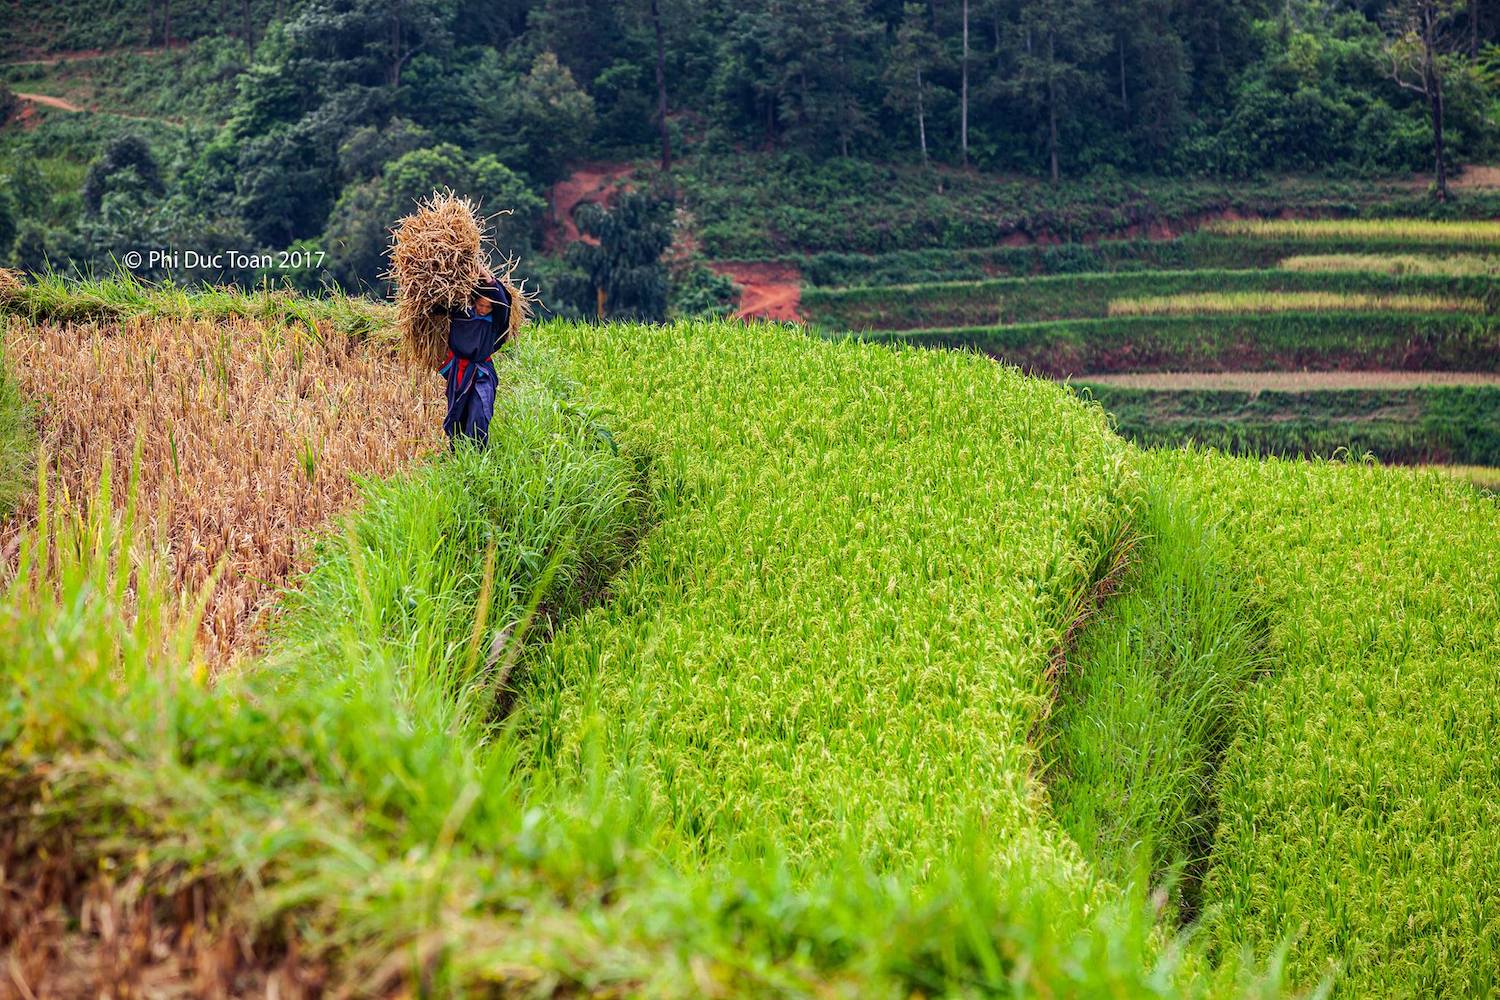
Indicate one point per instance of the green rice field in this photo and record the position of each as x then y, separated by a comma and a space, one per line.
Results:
777, 665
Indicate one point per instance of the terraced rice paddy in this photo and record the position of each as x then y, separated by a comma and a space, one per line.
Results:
1416, 298
1477, 233
1456, 265
760, 665
1243, 303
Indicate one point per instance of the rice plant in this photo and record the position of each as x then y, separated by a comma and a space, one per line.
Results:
742, 665
1357, 799
353, 804
1472, 232
1211, 303
1458, 265
220, 403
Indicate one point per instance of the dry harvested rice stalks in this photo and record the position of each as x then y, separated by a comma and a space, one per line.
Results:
249, 436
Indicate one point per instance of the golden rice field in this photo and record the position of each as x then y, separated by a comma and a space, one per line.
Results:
1482, 232
249, 437
1458, 265
1206, 303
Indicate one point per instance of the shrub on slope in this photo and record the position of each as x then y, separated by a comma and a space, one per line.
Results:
1358, 802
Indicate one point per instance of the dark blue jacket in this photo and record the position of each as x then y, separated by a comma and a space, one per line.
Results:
469, 370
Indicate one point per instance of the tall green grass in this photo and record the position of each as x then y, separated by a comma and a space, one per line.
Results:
1149, 699
533, 526
1358, 799
17, 441
58, 298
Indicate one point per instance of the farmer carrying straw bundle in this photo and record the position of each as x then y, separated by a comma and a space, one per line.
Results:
453, 311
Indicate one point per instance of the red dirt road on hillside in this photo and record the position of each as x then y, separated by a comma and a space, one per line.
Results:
769, 290
589, 183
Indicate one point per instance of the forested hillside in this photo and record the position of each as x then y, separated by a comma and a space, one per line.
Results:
270, 124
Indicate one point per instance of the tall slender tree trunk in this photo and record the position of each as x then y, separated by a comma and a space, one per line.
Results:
661, 89
166, 29
1052, 105
1433, 79
921, 118
249, 25
1124, 97
963, 110
1473, 29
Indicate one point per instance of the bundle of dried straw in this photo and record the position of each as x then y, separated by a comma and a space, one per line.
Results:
438, 254
10, 283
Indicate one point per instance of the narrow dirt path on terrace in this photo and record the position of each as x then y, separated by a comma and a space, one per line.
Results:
51, 102
1291, 381
63, 104
769, 291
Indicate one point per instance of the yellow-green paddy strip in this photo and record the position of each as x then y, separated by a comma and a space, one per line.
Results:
1478, 233
1457, 265
1359, 802
833, 646
1209, 303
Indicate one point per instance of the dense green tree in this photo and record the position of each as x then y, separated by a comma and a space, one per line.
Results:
369, 148
358, 228
1054, 43
823, 69
328, 94
913, 57
621, 276
546, 118
127, 164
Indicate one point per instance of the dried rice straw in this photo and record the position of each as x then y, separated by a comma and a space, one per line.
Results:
438, 254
